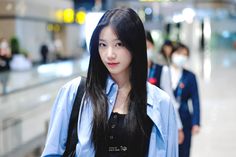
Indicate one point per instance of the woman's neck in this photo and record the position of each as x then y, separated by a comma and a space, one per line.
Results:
175, 67
122, 100
124, 87
122, 81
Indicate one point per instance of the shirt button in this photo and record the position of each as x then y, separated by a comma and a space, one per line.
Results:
111, 137
113, 126
110, 100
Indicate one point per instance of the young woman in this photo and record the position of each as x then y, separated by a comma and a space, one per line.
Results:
166, 50
121, 115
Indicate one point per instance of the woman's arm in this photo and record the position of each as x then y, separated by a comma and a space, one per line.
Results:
196, 106
195, 102
172, 133
59, 120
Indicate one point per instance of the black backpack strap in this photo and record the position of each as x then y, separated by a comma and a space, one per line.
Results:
72, 138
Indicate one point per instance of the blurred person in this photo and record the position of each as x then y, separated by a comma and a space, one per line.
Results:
44, 53
154, 69
155, 78
185, 88
121, 115
162, 58
166, 49
150, 48
58, 49
5, 57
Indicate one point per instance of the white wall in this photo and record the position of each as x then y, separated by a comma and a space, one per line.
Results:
30, 26
31, 35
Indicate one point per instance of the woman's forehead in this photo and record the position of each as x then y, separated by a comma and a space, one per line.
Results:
108, 34
182, 51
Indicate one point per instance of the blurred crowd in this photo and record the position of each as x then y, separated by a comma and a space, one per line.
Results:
167, 71
11, 57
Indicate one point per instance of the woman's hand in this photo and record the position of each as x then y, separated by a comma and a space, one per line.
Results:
195, 129
181, 136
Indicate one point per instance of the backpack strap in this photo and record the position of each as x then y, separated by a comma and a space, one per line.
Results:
72, 137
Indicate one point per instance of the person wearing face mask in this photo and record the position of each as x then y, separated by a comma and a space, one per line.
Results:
184, 88
159, 60
155, 77
154, 70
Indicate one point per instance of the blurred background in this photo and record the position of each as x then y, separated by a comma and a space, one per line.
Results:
43, 44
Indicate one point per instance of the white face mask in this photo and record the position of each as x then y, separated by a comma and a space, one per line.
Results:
150, 54
179, 60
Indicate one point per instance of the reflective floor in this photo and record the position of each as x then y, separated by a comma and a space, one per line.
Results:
216, 73
25, 109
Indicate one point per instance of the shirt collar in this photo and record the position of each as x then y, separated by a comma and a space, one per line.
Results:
110, 84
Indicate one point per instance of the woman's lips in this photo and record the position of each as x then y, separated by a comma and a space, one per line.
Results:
112, 65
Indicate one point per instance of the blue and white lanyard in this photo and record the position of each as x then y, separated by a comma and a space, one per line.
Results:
179, 90
152, 71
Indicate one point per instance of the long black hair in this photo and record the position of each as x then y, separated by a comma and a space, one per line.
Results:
130, 30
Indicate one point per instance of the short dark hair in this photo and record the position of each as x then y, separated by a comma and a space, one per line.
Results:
181, 46
149, 37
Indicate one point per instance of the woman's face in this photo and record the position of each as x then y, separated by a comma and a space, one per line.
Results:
180, 57
114, 55
167, 50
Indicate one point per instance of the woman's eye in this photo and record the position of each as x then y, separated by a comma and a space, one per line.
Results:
102, 45
119, 44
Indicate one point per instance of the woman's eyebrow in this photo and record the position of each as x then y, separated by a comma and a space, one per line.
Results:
114, 40
102, 39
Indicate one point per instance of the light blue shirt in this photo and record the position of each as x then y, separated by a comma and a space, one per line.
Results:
164, 135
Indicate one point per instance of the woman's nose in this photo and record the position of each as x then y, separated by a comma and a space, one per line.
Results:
110, 53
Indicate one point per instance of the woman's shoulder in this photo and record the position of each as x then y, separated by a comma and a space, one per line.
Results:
66, 95
69, 89
189, 73
72, 84
157, 96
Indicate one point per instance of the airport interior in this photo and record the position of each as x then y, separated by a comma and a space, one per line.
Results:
48, 42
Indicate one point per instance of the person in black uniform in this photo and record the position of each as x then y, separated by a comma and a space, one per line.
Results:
155, 76
44, 53
154, 69
185, 88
